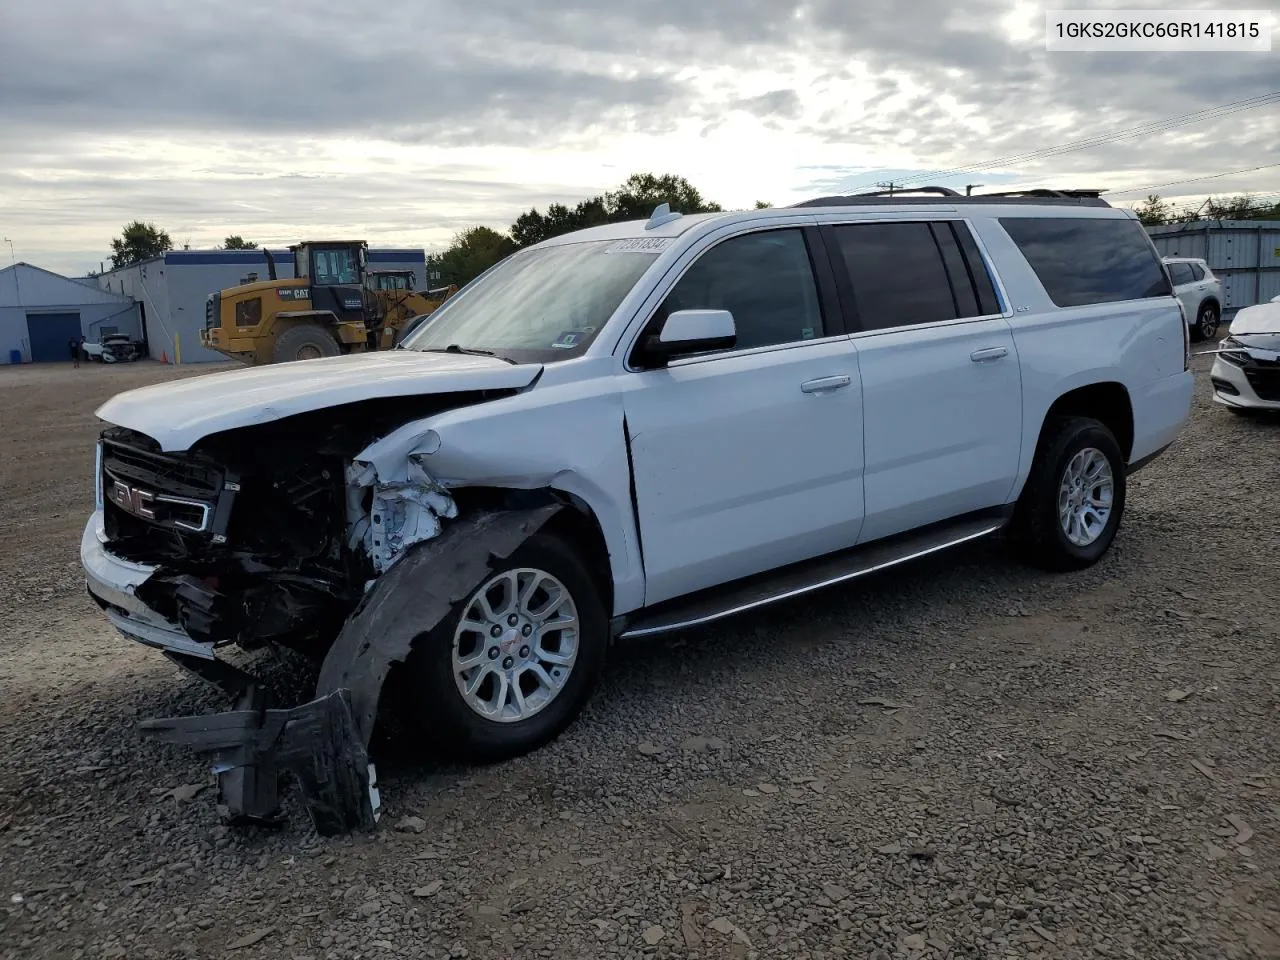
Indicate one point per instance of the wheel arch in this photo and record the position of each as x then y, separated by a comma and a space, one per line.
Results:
577, 524
1106, 401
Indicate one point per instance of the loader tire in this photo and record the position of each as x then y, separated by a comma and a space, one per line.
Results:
304, 343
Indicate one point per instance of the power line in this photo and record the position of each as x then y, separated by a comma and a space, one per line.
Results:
1173, 183
1140, 130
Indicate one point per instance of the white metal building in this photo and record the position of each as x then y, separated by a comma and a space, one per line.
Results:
171, 290
41, 311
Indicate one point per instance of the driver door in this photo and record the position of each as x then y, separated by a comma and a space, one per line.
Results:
749, 458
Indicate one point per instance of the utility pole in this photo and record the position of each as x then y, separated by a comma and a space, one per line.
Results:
17, 290
890, 186
968, 188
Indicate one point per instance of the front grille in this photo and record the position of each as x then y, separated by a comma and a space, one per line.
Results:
211, 306
143, 489
173, 475
1265, 379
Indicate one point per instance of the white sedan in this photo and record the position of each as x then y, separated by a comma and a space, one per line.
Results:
1246, 370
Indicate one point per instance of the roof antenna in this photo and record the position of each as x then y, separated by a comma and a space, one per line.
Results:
661, 214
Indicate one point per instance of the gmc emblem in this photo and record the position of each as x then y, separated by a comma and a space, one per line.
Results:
140, 503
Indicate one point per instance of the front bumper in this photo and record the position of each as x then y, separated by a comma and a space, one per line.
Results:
1232, 387
113, 584
317, 742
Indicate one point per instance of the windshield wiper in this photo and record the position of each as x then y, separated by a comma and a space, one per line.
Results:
473, 351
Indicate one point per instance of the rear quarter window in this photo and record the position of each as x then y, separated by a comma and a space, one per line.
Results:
1082, 261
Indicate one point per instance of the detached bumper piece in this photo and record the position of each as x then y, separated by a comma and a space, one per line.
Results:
324, 743
317, 742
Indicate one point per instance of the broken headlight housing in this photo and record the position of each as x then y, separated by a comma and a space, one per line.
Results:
1232, 351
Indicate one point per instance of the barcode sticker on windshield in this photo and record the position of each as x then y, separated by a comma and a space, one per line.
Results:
639, 245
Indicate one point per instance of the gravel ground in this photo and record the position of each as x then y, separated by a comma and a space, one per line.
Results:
960, 759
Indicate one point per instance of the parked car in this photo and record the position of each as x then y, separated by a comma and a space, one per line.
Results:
1200, 293
113, 348
620, 432
1246, 371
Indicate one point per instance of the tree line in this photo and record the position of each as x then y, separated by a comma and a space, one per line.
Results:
476, 249
140, 241
1155, 210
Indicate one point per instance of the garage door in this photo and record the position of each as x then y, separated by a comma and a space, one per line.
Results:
49, 333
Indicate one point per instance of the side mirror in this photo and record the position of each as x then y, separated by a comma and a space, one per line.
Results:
690, 331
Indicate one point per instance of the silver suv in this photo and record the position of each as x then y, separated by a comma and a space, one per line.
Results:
619, 432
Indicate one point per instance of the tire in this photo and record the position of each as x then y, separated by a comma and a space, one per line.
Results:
450, 727
1206, 322
304, 343
1038, 527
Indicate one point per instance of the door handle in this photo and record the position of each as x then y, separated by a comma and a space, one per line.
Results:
823, 384
988, 353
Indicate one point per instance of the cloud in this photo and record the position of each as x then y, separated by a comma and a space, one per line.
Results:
409, 120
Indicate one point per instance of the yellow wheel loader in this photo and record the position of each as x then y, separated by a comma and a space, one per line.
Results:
333, 305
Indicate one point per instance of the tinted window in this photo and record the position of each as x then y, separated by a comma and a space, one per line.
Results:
1197, 271
897, 272
1181, 273
764, 279
988, 302
1081, 261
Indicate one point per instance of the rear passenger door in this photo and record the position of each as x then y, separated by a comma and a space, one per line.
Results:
941, 388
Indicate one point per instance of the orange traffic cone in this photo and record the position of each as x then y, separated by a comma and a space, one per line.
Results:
164, 356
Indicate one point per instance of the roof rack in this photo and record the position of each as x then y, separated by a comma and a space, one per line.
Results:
897, 192
1043, 197
1044, 192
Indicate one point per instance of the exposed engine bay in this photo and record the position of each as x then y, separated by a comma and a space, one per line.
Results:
270, 533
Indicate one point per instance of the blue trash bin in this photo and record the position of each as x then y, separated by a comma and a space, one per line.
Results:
15, 356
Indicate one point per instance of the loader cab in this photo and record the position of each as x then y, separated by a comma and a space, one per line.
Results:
336, 273
390, 280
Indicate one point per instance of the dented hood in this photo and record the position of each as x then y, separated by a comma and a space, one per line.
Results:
180, 413
1260, 318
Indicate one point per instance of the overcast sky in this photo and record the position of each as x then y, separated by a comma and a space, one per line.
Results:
402, 122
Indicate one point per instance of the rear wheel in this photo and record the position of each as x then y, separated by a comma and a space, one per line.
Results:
515, 661
304, 343
1206, 322
1071, 506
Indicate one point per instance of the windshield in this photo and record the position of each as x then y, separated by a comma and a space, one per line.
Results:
542, 305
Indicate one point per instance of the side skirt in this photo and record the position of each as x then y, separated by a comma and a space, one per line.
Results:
749, 593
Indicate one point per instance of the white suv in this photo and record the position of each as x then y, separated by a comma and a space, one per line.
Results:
623, 431
1200, 293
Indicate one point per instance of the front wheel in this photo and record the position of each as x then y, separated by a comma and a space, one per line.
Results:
514, 663
1072, 503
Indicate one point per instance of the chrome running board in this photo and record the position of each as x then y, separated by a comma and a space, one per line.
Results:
797, 579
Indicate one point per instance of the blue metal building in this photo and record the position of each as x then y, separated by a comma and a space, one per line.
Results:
40, 311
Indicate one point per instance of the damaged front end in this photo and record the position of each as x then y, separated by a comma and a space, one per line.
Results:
280, 534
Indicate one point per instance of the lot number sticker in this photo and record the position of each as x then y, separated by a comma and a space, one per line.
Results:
639, 245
